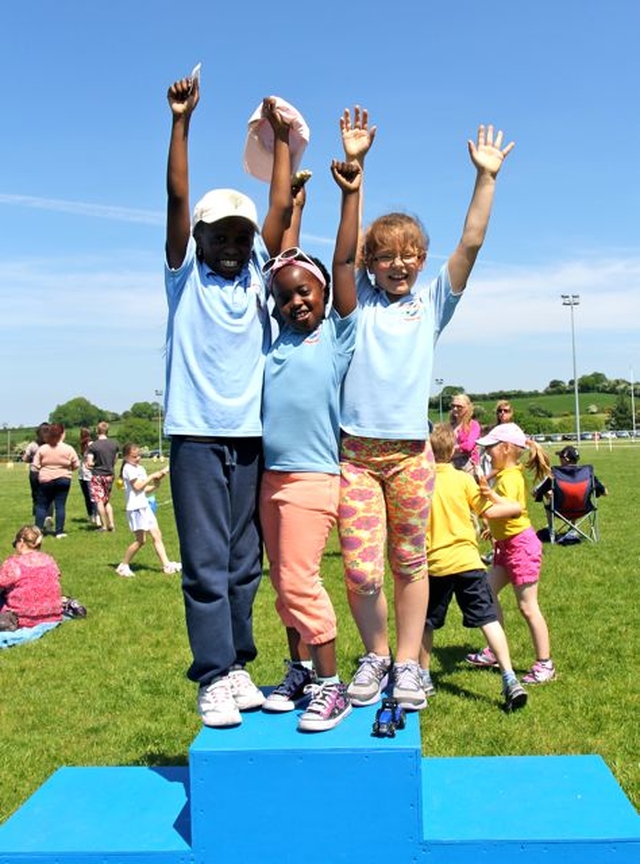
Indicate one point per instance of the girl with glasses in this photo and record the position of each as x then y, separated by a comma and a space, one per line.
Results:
386, 459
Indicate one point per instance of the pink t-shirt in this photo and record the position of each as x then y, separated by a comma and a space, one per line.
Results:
53, 463
30, 586
466, 443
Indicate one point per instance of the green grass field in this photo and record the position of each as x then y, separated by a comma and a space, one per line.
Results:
111, 690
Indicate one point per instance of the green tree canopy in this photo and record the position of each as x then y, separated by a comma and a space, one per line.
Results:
143, 410
555, 386
77, 412
620, 416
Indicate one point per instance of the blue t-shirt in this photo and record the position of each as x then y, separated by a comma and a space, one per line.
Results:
218, 334
386, 390
300, 410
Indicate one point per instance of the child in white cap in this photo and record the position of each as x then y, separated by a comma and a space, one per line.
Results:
517, 554
218, 334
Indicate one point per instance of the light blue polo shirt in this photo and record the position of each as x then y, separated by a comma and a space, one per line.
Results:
218, 335
302, 382
386, 390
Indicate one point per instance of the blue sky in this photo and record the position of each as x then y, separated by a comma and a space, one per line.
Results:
83, 152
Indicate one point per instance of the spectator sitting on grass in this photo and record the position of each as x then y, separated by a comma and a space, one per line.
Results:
30, 582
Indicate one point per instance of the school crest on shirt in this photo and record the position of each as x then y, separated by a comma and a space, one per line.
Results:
411, 311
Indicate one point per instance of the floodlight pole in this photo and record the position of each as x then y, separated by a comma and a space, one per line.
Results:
572, 300
440, 382
159, 395
633, 406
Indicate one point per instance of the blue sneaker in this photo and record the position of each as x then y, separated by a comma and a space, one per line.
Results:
291, 690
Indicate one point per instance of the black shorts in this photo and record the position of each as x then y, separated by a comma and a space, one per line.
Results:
473, 593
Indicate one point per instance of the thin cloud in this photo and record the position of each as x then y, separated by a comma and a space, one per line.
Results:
82, 208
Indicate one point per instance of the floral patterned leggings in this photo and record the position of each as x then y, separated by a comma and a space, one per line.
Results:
385, 495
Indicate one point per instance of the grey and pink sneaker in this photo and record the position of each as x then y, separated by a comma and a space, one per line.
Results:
541, 672
329, 705
486, 659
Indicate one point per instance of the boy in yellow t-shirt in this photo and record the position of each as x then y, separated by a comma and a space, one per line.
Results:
454, 561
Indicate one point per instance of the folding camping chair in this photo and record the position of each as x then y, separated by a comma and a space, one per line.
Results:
573, 513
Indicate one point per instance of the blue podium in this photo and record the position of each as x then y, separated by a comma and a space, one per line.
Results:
264, 792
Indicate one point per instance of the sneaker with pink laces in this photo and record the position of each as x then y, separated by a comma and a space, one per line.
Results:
541, 672
485, 659
245, 693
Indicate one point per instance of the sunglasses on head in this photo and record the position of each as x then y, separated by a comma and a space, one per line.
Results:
287, 256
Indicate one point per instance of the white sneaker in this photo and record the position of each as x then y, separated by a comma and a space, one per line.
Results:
172, 567
216, 705
407, 686
245, 693
124, 570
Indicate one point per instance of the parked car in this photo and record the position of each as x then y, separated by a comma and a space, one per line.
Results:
622, 433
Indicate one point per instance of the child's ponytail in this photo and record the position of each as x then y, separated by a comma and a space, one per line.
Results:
538, 461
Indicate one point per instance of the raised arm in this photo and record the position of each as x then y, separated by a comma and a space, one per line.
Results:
278, 217
183, 97
291, 236
348, 176
488, 155
357, 138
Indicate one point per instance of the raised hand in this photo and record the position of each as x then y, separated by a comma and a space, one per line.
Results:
298, 190
270, 112
357, 136
183, 96
487, 153
348, 175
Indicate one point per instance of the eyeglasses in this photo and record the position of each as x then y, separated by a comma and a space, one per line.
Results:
287, 256
503, 411
387, 260
457, 407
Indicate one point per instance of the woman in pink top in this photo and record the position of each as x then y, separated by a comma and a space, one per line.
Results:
55, 462
30, 581
467, 432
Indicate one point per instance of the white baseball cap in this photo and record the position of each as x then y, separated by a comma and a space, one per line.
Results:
222, 203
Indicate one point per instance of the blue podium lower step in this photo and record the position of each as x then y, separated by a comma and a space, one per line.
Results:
133, 815
540, 808
264, 792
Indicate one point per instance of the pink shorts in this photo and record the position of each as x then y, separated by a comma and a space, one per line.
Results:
521, 557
